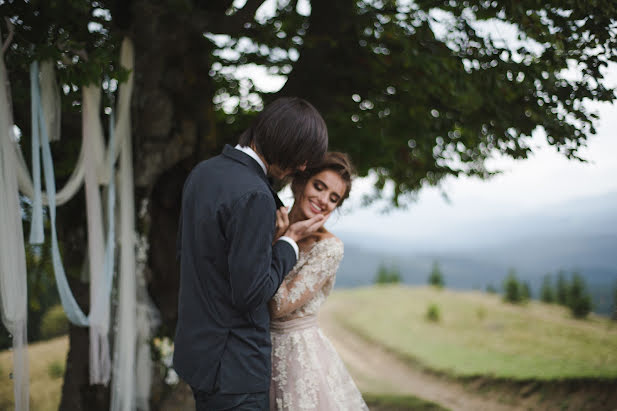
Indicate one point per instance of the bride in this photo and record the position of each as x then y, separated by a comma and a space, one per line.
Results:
307, 373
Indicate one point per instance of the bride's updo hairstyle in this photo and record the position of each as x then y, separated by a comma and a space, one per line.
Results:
335, 161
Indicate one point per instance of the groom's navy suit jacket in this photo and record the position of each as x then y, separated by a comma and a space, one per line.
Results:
229, 271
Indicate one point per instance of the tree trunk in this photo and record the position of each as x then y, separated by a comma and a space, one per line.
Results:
172, 129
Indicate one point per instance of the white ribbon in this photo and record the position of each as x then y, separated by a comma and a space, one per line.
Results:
13, 285
89, 167
124, 374
50, 98
99, 308
101, 263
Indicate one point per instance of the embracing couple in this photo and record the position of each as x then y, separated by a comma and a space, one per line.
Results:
253, 275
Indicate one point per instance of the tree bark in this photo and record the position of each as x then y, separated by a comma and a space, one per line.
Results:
173, 128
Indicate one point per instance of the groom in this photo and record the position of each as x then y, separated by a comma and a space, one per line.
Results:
229, 265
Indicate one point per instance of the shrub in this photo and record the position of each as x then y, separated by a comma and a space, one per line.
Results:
579, 299
55, 369
54, 323
433, 313
436, 277
547, 294
387, 275
481, 313
512, 289
562, 289
491, 289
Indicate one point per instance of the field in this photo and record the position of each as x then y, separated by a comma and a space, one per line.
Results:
47, 368
479, 335
47, 361
512, 349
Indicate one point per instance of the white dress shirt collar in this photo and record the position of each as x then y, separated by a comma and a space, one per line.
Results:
253, 154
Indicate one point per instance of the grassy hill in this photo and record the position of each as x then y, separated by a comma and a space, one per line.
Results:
47, 360
479, 335
475, 268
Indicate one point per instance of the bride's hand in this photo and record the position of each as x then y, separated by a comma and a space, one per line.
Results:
282, 222
302, 229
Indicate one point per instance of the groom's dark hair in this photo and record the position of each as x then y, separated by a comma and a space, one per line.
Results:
289, 132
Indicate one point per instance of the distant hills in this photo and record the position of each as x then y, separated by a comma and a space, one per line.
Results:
578, 235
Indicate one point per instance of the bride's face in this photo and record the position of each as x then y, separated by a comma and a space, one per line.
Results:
321, 194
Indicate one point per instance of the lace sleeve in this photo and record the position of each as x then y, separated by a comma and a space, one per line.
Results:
322, 262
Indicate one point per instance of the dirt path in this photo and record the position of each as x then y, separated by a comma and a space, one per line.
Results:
376, 370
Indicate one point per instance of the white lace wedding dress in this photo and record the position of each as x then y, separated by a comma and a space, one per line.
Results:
307, 373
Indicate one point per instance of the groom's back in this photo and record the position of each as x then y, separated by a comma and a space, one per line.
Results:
213, 330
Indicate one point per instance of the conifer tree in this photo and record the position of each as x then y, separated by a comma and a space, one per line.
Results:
512, 288
547, 294
436, 277
562, 288
579, 299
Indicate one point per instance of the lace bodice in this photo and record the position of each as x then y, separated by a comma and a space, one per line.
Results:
310, 281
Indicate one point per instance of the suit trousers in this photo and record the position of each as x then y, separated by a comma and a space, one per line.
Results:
217, 401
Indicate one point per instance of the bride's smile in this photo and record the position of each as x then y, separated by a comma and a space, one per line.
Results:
321, 195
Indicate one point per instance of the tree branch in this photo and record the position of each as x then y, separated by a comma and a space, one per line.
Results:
9, 38
206, 21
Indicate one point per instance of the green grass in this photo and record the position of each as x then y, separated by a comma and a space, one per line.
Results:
55, 369
47, 359
391, 402
479, 335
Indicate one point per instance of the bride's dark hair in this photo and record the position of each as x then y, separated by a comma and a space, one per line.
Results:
335, 161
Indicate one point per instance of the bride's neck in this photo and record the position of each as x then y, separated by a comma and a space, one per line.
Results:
294, 215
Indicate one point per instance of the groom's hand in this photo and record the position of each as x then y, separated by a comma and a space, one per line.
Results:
301, 229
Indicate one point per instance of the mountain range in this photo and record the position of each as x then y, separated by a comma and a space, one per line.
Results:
579, 235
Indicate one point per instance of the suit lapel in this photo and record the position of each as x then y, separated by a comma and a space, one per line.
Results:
277, 200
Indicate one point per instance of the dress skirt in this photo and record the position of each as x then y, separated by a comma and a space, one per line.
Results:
307, 372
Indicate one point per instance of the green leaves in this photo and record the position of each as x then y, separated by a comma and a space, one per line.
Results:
416, 105
76, 34
415, 91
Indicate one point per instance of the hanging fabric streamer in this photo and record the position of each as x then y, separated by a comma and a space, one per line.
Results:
13, 284
26, 185
50, 102
124, 367
100, 277
99, 312
148, 320
111, 215
50, 98
71, 308
123, 384
36, 224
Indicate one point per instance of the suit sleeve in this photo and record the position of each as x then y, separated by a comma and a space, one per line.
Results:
179, 232
179, 239
256, 267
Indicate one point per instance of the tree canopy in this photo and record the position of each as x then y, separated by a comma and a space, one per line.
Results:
414, 90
